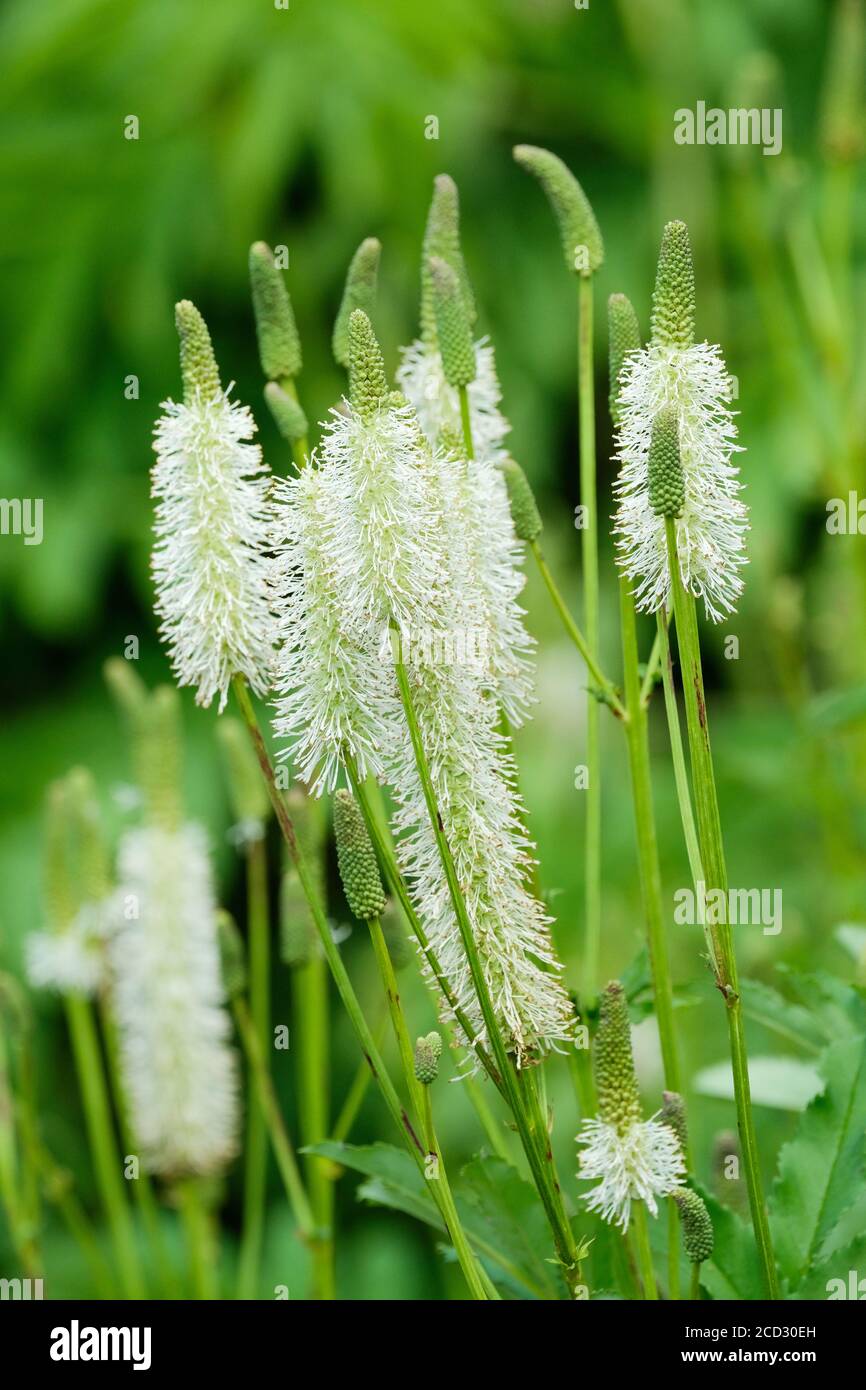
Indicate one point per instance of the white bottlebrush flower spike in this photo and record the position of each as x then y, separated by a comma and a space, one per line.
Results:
636, 1160
689, 379
70, 961
178, 1068
421, 378
209, 562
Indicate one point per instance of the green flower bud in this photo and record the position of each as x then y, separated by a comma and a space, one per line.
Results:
298, 940
247, 792
232, 955
197, 362
356, 858
279, 344
618, 1098
428, 1050
127, 687
697, 1226
89, 849
524, 510
581, 238
368, 385
442, 239
674, 1116
157, 756
288, 416
623, 337
667, 491
359, 293
453, 331
673, 311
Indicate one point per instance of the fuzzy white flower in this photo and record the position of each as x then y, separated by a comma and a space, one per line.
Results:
179, 1070
421, 378
209, 562
712, 525
641, 1164
70, 960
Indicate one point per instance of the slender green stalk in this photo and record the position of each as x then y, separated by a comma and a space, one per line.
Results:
284, 1153
480, 1288
644, 1252
310, 994
199, 1236
59, 1191
589, 559
357, 1091
605, 687
713, 861
395, 1011
528, 1122
647, 844
11, 1197
103, 1145
466, 421
300, 447
677, 754
652, 668
673, 1250
256, 1148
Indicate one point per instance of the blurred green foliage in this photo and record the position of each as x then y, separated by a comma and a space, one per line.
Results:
306, 126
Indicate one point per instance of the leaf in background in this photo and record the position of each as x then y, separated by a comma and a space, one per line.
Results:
783, 1083
732, 1271
816, 1284
840, 1006
765, 1005
852, 936
824, 1163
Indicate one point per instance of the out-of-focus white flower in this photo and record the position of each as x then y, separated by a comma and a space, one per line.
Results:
421, 378
209, 562
70, 960
178, 1068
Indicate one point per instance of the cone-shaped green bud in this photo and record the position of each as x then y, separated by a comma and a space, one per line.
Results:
247, 792
288, 416
697, 1226
368, 384
581, 238
279, 344
233, 959
356, 858
618, 1098
297, 929
359, 293
521, 498
453, 331
197, 362
89, 847
673, 311
157, 757
442, 238
397, 939
623, 337
127, 687
60, 902
667, 491
428, 1050
674, 1116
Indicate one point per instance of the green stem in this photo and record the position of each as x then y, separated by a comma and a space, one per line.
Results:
472, 1272
713, 861
300, 447
197, 1225
310, 992
589, 564
21, 1229
256, 1155
466, 421
395, 1011
103, 1145
605, 687
647, 844
673, 1250
677, 754
357, 1091
644, 1252
652, 667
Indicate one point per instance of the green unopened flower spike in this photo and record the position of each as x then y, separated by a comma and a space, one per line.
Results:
697, 1225
442, 239
298, 940
198, 366
635, 1159
356, 858
359, 293
287, 413
279, 343
428, 1050
673, 311
452, 325
623, 338
368, 384
666, 488
524, 509
232, 955
581, 238
674, 1115
249, 799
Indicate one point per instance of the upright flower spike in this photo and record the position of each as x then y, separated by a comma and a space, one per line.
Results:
635, 1159
665, 486
359, 293
674, 1115
209, 560
356, 858
582, 244
452, 325
521, 499
623, 338
442, 239
279, 343
689, 379
698, 1238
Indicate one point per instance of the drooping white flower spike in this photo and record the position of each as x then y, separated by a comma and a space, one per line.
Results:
209, 562
179, 1071
421, 375
691, 380
636, 1160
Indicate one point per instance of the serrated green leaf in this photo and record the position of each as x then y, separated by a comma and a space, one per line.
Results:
733, 1271
840, 1007
838, 1277
823, 1165
765, 1005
